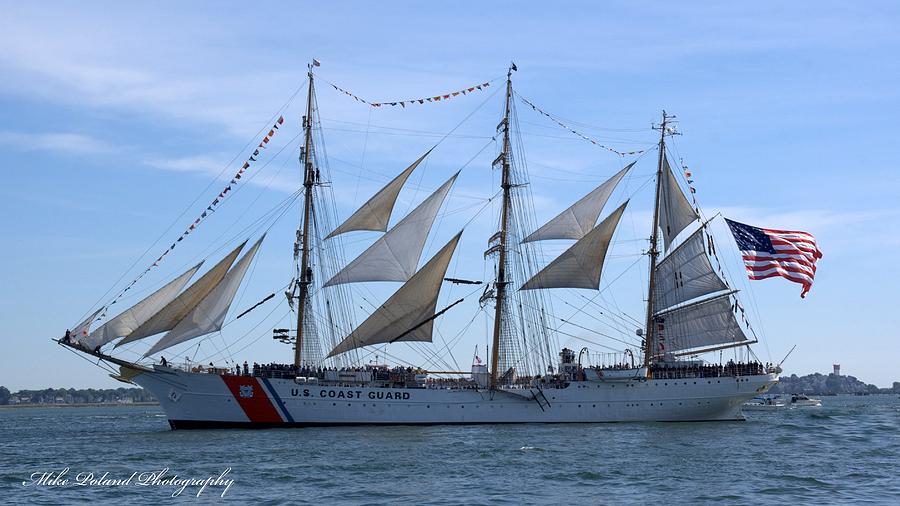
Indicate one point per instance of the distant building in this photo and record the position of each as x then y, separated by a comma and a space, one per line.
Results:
837, 369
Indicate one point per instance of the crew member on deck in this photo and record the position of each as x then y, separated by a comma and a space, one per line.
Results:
162, 360
66, 338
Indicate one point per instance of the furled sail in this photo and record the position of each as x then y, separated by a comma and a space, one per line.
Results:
178, 308
706, 323
411, 305
675, 212
685, 274
580, 265
132, 318
576, 221
395, 255
209, 315
376, 212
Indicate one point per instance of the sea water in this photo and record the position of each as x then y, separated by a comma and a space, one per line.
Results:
847, 451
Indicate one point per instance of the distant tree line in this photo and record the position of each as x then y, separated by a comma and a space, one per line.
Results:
74, 396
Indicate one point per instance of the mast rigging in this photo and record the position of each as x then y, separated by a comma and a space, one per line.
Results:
308, 182
501, 282
654, 252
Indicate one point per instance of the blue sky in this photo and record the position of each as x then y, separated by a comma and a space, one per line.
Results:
115, 117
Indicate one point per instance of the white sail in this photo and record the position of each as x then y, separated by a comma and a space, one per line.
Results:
706, 323
675, 212
401, 317
580, 265
132, 318
209, 315
376, 212
178, 308
685, 274
80, 333
395, 255
576, 221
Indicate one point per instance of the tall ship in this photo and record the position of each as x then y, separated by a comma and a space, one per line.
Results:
689, 357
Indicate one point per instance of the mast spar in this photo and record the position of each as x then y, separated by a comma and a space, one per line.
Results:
654, 251
501, 282
305, 277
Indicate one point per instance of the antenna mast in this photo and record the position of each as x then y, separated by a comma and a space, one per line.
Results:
501, 282
308, 182
654, 251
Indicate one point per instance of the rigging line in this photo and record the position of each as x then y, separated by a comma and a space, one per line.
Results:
633, 322
257, 224
407, 134
362, 161
199, 196
608, 285
228, 347
588, 341
596, 332
628, 335
548, 127
383, 178
287, 204
254, 341
564, 126
250, 177
478, 108
100, 361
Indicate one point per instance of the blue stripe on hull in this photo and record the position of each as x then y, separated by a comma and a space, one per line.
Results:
278, 400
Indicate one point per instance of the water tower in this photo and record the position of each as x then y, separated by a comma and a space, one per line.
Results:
837, 369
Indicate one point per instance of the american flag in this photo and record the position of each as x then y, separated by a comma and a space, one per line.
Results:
786, 253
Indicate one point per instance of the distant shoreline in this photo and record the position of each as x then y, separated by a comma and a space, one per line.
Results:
80, 405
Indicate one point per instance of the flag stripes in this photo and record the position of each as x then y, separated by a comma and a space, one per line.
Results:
768, 253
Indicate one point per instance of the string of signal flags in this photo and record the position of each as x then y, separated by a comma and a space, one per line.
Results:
414, 101
209, 209
576, 132
472, 89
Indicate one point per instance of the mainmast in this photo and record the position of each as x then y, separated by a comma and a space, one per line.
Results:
501, 281
654, 251
305, 275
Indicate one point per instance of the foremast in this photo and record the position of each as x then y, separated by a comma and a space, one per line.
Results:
501, 281
654, 249
304, 275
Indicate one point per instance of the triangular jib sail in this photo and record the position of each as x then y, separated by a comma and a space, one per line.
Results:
579, 219
394, 256
675, 212
178, 308
579, 266
405, 311
685, 274
132, 318
376, 212
209, 315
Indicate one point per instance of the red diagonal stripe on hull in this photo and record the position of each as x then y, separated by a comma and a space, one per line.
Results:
258, 407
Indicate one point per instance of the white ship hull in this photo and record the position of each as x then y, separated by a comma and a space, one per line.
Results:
197, 400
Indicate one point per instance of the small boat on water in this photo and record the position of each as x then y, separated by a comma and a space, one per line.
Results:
802, 401
763, 403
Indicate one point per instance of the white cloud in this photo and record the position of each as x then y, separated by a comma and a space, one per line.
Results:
57, 142
198, 163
